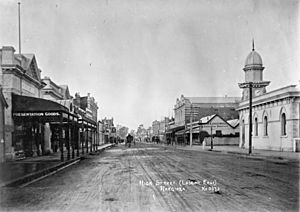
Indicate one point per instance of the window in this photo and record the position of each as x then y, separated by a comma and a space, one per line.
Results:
218, 132
265, 126
256, 126
283, 124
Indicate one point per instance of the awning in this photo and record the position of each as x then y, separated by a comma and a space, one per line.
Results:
180, 132
26, 108
175, 129
87, 122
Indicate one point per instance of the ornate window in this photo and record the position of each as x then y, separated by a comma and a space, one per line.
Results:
265, 125
283, 124
255, 126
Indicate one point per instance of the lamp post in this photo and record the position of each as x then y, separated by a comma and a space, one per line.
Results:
252, 85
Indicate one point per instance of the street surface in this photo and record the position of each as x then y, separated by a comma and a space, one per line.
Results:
150, 177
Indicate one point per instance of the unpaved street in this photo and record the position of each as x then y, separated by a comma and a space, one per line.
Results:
156, 178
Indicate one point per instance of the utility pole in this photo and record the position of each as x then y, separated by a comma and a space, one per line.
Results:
250, 118
19, 14
211, 138
19, 23
191, 126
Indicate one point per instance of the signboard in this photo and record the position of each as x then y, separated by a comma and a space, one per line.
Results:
215, 125
36, 114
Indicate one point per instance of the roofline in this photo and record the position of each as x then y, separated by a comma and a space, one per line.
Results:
268, 97
213, 116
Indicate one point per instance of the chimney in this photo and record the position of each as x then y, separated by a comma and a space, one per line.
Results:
8, 55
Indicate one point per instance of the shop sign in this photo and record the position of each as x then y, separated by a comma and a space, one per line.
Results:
36, 114
215, 125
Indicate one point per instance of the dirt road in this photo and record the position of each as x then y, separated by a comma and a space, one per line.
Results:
155, 178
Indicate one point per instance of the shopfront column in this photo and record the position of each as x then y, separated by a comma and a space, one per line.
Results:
82, 135
61, 148
87, 140
73, 138
78, 139
94, 139
95, 142
68, 138
92, 142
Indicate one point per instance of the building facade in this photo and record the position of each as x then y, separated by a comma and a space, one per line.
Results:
109, 130
218, 131
3, 105
275, 114
155, 128
19, 75
88, 104
191, 109
51, 90
40, 116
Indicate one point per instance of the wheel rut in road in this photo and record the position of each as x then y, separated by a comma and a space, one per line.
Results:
111, 182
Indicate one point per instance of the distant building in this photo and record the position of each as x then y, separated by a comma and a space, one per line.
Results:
218, 130
88, 104
275, 114
51, 90
192, 109
109, 129
101, 132
149, 132
87, 109
61, 95
155, 128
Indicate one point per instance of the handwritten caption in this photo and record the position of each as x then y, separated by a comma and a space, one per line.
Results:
182, 185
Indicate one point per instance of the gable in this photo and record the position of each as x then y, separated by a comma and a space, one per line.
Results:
217, 120
31, 67
67, 93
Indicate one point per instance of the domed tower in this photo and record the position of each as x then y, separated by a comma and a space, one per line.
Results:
254, 73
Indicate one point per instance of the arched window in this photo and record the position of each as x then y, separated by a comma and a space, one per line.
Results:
256, 126
265, 125
283, 124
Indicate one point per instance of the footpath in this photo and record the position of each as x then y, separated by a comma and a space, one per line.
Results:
19, 172
257, 154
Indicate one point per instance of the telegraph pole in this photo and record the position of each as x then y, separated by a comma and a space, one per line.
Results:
250, 118
19, 24
19, 14
191, 126
211, 138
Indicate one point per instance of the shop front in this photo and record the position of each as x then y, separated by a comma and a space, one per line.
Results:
88, 134
42, 126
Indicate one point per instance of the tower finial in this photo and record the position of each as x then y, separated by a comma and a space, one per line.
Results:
253, 44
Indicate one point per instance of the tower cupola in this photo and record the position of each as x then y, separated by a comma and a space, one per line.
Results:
254, 73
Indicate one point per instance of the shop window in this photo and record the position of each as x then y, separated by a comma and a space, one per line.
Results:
265, 126
283, 124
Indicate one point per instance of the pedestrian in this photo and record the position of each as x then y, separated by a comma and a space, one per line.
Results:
129, 139
204, 143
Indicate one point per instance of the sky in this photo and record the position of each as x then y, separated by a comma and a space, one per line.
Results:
135, 57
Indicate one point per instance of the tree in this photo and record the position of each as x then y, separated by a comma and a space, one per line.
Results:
122, 132
141, 131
